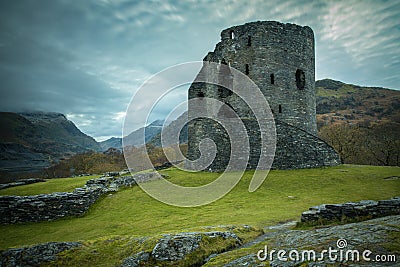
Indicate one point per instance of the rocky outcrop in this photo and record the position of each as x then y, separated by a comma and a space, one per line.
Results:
352, 210
136, 260
176, 247
34, 255
48, 207
376, 235
171, 249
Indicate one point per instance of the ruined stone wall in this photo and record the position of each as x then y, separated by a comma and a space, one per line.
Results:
48, 207
352, 210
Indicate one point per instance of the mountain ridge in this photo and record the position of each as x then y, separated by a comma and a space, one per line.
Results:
31, 141
338, 102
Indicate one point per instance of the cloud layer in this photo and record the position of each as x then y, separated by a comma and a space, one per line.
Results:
87, 58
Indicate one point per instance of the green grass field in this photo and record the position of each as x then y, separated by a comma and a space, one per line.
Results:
131, 212
50, 186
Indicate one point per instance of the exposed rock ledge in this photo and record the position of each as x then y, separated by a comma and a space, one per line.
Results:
377, 235
34, 255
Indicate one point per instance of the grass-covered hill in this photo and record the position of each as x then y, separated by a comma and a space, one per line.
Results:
338, 102
361, 123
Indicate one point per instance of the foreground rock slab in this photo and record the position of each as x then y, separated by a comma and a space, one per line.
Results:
34, 255
377, 235
173, 249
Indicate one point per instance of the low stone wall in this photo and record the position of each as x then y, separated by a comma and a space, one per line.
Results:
364, 208
22, 182
34, 255
48, 207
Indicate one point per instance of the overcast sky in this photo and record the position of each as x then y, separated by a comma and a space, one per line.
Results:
87, 58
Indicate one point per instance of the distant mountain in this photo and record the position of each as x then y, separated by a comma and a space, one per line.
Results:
183, 136
135, 138
32, 141
152, 135
340, 102
113, 142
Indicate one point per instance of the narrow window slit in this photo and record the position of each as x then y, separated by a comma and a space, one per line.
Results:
232, 35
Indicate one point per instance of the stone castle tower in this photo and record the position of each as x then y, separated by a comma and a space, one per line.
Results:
280, 59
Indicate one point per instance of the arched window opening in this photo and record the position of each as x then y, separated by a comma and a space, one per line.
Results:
249, 40
232, 35
247, 69
300, 79
280, 108
272, 78
223, 61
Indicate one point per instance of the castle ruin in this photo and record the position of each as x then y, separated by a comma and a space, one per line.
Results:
280, 59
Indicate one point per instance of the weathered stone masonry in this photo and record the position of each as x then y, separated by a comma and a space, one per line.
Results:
280, 59
48, 207
364, 208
